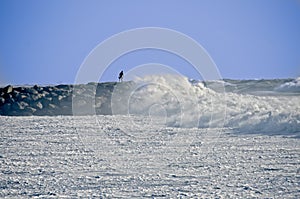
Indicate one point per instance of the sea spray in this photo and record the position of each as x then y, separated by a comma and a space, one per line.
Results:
249, 106
182, 103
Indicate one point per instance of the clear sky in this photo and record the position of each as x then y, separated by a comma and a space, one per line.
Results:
45, 42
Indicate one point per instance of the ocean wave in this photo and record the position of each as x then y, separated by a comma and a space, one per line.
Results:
293, 86
174, 99
187, 104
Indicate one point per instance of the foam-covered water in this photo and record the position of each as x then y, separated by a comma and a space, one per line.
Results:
185, 103
72, 157
293, 86
107, 157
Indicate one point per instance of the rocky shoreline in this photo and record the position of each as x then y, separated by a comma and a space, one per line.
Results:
96, 98
55, 100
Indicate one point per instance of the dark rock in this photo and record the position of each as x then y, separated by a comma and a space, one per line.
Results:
23, 113
6, 108
57, 99
27, 98
48, 89
53, 94
19, 106
8, 89
61, 97
38, 88
35, 87
46, 101
63, 87
37, 105
60, 92
15, 93
20, 89
21, 109
36, 97
31, 91
52, 106
22, 97
46, 94
13, 113
2, 101
30, 110
9, 98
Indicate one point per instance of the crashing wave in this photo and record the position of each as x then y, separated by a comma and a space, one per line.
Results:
293, 86
183, 103
175, 100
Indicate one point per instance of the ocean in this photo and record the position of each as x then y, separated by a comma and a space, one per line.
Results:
166, 137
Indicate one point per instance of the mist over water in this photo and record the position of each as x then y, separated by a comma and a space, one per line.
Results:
181, 102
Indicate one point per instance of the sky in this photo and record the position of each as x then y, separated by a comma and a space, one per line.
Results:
46, 42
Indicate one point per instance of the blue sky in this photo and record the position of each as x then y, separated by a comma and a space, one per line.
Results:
45, 42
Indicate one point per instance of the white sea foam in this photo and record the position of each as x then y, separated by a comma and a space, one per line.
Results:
293, 86
185, 104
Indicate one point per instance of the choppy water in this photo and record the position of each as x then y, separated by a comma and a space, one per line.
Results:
249, 106
168, 138
105, 157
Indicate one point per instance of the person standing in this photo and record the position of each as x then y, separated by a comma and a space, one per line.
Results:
121, 74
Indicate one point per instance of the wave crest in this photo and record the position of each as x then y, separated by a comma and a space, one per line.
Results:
182, 103
293, 86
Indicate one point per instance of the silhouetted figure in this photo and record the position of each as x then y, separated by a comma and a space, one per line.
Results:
121, 74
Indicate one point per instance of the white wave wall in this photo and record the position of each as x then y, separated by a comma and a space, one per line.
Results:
263, 114
180, 103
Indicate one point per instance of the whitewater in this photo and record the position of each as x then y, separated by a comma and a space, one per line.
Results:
188, 103
167, 137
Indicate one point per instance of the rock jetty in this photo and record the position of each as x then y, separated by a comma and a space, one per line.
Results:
55, 100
